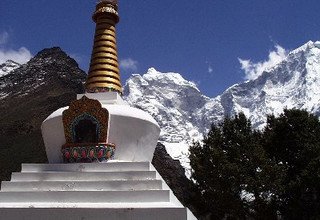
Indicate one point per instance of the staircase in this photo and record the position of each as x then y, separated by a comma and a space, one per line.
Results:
113, 190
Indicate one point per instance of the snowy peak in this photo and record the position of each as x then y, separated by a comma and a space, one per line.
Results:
7, 67
306, 47
153, 75
293, 83
170, 99
184, 114
175, 103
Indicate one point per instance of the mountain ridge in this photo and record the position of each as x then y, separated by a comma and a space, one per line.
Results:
28, 94
184, 114
182, 111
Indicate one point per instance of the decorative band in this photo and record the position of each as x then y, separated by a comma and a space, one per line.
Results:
87, 153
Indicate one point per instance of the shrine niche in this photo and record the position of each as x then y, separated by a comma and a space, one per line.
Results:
86, 126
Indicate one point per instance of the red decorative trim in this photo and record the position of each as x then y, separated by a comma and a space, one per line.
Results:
88, 152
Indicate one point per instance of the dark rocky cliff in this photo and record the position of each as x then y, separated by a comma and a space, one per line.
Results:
28, 95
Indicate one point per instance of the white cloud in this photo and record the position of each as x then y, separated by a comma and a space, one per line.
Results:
21, 55
254, 70
129, 64
4, 36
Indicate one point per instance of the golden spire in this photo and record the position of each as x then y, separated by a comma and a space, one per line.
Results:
104, 74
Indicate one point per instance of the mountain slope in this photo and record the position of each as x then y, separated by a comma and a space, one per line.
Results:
170, 99
174, 103
294, 83
51, 79
28, 95
184, 114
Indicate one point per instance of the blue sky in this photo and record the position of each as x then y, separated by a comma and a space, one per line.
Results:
203, 40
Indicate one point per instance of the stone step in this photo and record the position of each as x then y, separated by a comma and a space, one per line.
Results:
96, 205
65, 197
87, 167
162, 213
83, 176
81, 186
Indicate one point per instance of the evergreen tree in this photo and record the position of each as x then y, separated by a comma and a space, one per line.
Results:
232, 172
292, 141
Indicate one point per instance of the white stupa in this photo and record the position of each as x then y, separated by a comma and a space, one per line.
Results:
99, 151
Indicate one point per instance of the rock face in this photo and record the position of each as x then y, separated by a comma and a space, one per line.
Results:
174, 175
175, 103
28, 94
171, 100
184, 114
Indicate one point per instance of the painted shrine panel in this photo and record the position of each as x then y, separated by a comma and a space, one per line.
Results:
86, 130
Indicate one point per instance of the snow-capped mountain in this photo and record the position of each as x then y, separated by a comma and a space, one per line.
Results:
185, 114
8, 67
171, 100
174, 102
293, 83
182, 111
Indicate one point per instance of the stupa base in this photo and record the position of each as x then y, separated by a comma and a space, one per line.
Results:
115, 190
